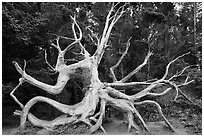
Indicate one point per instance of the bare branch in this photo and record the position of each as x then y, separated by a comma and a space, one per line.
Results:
176, 87
116, 17
137, 69
24, 65
61, 82
48, 62
91, 38
186, 83
159, 94
63, 119
125, 105
61, 107
99, 122
17, 113
77, 40
160, 111
56, 45
187, 78
95, 35
151, 85
107, 31
141, 119
180, 73
57, 40
167, 67
21, 81
95, 120
144, 92
61, 54
117, 93
184, 95
14, 97
152, 80
178, 90
107, 22
126, 85
160, 81
115, 4
121, 13
18, 68
73, 28
120, 60
131, 122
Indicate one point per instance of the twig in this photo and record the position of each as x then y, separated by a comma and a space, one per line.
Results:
48, 62
137, 69
180, 73
120, 60
14, 97
167, 67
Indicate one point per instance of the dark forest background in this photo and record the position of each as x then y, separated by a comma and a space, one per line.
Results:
168, 29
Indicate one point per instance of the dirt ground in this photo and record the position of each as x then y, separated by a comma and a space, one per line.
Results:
116, 127
185, 117
186, 122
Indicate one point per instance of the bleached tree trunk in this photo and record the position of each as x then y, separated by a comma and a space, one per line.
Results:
97, 93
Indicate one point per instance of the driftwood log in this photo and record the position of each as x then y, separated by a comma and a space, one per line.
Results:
97, 93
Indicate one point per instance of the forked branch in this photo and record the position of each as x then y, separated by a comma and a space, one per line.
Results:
52, 68
56, 89
160, 112
137, 69
153, 84
167, 67
110, 22
77, 39
120, 60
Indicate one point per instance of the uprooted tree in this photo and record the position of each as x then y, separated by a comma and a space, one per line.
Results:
97, 93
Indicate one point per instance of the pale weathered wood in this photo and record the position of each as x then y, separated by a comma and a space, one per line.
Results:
97, 92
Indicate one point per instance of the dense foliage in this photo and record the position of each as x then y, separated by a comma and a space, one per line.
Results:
168, 29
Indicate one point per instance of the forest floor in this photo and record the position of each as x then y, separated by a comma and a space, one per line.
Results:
185, 117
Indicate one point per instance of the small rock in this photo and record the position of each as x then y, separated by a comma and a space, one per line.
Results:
43, 132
